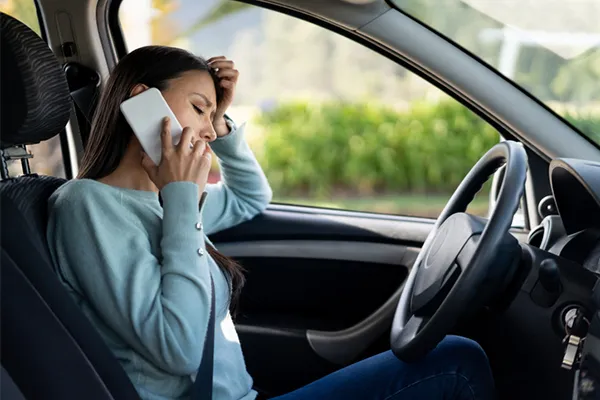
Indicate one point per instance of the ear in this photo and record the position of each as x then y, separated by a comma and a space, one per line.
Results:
137, 89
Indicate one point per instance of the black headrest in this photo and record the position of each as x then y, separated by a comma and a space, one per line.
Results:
35, 101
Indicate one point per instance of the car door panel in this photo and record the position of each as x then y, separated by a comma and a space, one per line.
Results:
281, 222
302, 278
321, 289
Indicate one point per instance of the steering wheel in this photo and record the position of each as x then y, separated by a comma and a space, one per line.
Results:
465, 260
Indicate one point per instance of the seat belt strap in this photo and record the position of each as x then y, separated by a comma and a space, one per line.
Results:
84, 88
202, 388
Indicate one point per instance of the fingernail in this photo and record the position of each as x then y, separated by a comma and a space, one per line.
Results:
166, 119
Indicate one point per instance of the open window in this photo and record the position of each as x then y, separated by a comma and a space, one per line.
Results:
333, 123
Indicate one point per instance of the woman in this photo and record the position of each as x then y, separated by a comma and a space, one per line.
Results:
140, 265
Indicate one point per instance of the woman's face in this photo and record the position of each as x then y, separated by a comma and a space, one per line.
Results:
193, 99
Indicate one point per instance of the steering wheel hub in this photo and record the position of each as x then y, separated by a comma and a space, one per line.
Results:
441, 267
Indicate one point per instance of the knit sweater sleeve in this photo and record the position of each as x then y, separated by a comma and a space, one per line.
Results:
243, 192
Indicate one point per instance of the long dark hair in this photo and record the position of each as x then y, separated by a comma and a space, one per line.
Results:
153, 66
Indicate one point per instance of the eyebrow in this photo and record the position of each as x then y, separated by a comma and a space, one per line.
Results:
208, 102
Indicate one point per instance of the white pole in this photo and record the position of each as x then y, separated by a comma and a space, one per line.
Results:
509, 54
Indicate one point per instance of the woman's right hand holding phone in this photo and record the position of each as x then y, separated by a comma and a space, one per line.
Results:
188, 161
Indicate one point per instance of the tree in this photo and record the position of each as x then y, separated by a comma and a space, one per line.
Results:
163, 29
577, 80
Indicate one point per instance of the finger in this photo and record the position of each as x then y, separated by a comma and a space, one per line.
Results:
199, 147
222, 64
205, 164
228, 73
165, 136
187, 137
213, 59
227, 84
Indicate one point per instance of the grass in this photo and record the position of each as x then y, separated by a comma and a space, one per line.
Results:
412, 205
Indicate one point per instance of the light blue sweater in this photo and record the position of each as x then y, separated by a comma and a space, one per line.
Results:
140, 271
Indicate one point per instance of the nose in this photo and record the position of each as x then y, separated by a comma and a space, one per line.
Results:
208, 134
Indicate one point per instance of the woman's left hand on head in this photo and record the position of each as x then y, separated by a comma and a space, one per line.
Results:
228, 76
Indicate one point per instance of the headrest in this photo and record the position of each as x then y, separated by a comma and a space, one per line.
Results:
34, 95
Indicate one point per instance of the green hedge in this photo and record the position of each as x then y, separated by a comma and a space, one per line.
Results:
340, 148
589, 125
365, 148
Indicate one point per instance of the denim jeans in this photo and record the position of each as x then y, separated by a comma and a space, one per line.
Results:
457, 369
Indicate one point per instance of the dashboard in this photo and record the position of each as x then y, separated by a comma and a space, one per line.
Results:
572, 227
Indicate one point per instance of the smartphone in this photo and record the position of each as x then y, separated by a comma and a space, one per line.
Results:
145, 113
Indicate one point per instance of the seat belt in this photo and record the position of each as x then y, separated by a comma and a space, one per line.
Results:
84, 85
202, 387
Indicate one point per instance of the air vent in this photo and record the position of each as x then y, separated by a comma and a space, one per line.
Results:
545, 235
536, 236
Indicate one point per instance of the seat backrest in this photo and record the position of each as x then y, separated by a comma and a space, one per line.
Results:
49, 348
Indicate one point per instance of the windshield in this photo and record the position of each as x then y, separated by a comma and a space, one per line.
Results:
550, 48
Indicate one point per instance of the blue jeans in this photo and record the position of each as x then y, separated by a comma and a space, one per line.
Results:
456, 369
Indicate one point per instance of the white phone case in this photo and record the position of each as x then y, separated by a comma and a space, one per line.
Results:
145, 113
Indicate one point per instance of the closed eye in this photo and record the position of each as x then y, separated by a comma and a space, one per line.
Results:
198, 110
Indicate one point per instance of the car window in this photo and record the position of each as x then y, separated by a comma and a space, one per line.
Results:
333, 123
551, 48
47, 158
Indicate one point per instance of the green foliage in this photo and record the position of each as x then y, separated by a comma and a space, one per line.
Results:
588, 124
578, 79
366, 148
